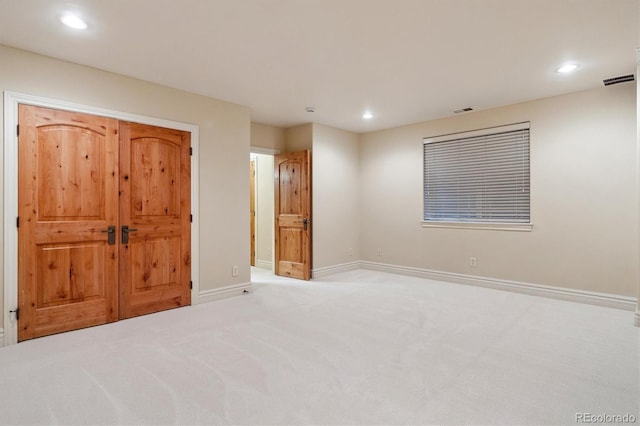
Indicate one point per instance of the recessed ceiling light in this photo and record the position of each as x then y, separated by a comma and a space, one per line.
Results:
567, 68
367, 115
73, 21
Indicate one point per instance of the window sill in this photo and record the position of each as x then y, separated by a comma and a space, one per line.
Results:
521, 227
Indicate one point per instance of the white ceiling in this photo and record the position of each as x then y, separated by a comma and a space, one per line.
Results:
405, 60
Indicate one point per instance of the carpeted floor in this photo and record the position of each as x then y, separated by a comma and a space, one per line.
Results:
356, 348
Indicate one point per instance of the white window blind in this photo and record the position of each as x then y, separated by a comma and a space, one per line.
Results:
479, 176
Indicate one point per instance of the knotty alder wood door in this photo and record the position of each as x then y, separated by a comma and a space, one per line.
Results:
293, 214
82, 179
67, 197
155, 204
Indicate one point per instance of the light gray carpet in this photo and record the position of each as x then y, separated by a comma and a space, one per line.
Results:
360, 347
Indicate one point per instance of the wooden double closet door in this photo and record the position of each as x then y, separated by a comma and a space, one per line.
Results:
104, 220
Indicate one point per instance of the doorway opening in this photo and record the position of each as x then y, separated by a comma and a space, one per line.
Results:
280, 213
261, 210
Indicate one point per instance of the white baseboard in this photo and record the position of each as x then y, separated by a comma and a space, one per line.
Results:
579, 296
264, 264
221, 293
204, 297
334, 269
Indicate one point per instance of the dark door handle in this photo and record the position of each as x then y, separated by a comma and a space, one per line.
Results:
17, 312
111, 234
125, 233
305, 222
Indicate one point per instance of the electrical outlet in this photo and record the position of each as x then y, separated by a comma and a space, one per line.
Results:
473, 262
379, 252
235, 271
350, 251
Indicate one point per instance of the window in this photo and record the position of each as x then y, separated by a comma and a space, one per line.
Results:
479, 177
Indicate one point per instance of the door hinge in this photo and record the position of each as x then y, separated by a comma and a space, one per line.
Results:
190, 218
17, 312
18, 222
190, 150
191, 285
17, 130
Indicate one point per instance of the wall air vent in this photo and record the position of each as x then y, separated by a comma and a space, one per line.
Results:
467, 109
616, 80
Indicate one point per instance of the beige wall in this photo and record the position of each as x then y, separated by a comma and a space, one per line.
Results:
264, 209
224, 146
584, 197
264, 136
336, 211
299, 138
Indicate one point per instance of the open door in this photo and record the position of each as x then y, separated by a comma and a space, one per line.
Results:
292, 173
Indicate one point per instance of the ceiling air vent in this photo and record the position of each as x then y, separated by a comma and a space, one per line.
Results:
467, 109
616, 80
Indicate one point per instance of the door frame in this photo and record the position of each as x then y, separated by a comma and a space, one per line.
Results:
253, 196
10, 243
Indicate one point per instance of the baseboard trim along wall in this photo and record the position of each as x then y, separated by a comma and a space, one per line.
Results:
264, 264
579, 296
221, 293
203, 297
334, 269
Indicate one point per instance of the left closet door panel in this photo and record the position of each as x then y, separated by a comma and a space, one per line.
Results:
68, 221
